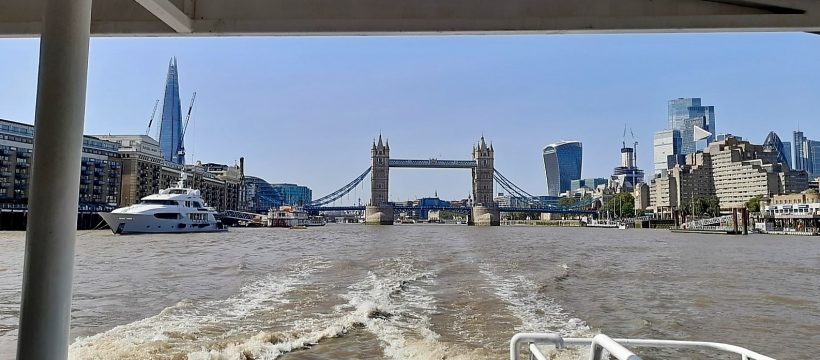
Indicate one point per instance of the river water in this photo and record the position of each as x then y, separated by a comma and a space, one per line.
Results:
425, 292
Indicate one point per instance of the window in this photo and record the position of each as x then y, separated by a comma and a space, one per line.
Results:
159, 202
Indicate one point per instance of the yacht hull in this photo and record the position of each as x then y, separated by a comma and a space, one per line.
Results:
124, 223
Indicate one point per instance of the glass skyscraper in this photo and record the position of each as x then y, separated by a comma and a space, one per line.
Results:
773, 143
814, 158
562, 163
684, 114
170, 131
800, 153
806, 154
787, 149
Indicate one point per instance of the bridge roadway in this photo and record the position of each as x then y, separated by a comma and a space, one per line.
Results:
462, 210
432, 163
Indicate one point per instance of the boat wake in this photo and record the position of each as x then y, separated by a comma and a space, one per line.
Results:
189, 323
537, 311
392, 301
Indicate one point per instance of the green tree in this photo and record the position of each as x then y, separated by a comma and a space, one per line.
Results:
567, 201
701, 206
518, 216
754, 204
621, 205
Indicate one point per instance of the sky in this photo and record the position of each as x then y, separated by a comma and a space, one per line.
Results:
305, 110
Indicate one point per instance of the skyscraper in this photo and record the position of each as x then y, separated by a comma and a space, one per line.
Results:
773, 144
787, 149
800, 153
683, 115
170, 131
627, 176
667, 145
562, 163
813, 160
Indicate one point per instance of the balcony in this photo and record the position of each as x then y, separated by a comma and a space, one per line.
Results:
24, 155
23, 165
85, 180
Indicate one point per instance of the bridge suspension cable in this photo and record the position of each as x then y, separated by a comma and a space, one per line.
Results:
523, 196
338, 194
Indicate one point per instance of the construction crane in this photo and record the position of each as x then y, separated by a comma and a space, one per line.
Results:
634, 144
181, 150
151, 120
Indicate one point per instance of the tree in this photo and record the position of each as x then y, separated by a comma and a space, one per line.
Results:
754, 204
708, 206
622, 204
567, 201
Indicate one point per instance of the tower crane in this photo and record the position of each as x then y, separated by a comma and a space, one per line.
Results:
181, 149
151, 120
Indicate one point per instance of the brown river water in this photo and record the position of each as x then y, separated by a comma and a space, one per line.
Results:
425, 292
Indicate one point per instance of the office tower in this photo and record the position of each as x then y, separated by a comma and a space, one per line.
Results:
773, 144
562, 164
628, 175
667, 145
813, 159
683, 115
170, 133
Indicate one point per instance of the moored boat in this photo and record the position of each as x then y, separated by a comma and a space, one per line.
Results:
287, 216
174, 210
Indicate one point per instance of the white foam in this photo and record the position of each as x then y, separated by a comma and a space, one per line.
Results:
537, 312
186, 322
394, 291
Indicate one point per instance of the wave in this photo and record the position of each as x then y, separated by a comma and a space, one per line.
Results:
188, 322
538, 312
392, 302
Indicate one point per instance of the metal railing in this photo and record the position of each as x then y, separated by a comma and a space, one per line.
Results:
698, 224
615, 347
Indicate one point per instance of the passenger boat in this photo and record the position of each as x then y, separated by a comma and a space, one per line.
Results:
316, 221
287, 216
174, 210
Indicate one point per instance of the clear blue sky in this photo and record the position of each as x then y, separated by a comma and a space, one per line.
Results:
305, 109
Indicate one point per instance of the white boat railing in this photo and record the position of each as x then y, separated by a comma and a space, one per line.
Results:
615, 347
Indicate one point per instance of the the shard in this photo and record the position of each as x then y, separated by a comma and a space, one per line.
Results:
170, 132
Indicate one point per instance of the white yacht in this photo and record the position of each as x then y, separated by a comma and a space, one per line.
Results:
173, 210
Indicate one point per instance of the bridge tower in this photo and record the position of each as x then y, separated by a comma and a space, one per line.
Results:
379, 211
485, 211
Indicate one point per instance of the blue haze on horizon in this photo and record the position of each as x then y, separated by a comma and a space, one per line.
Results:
305, 109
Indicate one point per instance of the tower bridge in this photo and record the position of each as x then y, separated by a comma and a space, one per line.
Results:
483, 211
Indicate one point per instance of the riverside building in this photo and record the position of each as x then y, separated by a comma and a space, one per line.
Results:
261, 196
733, 171
145, 172
100, 169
